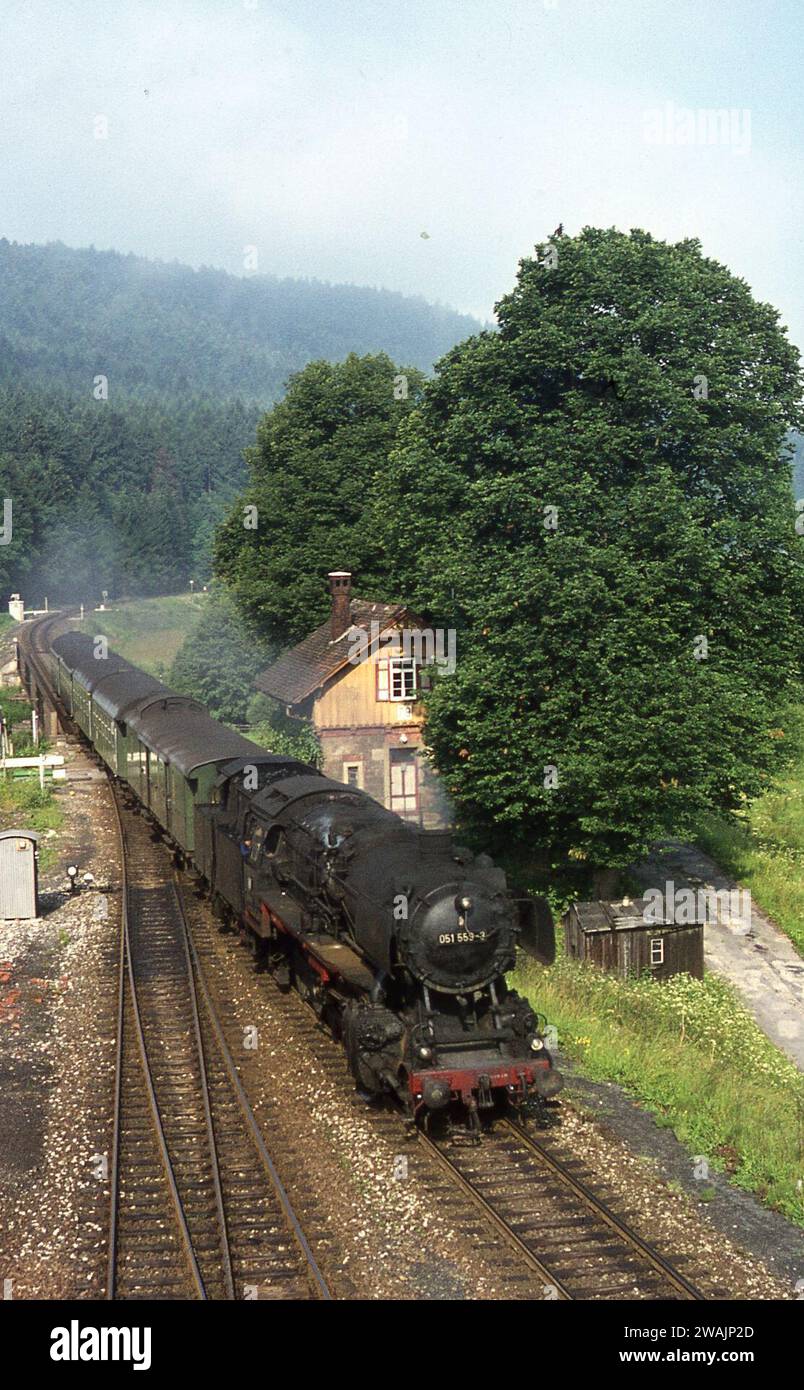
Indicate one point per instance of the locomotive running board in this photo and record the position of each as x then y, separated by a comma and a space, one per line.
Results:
339, 960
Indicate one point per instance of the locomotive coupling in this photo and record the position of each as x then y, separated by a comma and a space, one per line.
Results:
435, 1093
548, 1083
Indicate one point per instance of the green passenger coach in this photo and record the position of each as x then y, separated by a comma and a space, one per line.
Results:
163, 745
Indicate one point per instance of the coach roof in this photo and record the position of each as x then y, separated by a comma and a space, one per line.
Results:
175, 726
123, 692
181, 732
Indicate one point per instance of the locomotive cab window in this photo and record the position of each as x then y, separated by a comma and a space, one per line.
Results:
273, 841
277, 855
247, 839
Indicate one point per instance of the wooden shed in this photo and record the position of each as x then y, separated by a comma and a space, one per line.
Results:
626, 939
18, 874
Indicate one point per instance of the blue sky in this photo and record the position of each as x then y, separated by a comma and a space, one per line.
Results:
330, 136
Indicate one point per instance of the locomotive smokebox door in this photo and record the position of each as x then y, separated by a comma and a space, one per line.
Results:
18, 874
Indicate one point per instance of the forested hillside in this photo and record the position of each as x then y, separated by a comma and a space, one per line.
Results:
68, 315
120, 497
120, 484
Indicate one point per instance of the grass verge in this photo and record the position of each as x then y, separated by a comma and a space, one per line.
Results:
764, 851
25, 806
148, 631
694, 1057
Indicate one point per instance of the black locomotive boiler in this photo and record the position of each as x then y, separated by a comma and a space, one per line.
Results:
396, 936
399, 938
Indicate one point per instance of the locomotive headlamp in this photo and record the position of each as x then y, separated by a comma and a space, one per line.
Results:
536, 1044
425, 1053
463, 904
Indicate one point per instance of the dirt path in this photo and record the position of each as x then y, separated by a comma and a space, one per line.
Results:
759, 960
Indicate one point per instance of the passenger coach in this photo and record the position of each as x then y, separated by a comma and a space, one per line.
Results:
164, 745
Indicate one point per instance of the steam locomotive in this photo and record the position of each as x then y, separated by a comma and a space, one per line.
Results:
398, 938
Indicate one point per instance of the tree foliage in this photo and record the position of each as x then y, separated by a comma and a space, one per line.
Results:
281, 733
218, 662
123, 497
598, 498
312, 471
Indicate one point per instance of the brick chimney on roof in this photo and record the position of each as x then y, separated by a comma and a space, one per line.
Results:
340, 587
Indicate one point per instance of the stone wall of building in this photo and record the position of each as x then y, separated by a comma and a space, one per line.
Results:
369, 749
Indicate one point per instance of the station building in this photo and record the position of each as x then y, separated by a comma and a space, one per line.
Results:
355, 679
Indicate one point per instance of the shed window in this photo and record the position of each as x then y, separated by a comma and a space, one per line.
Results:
657, 950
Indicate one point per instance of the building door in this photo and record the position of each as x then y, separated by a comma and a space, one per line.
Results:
404, 783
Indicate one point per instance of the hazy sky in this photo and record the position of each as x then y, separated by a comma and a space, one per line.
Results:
330, 136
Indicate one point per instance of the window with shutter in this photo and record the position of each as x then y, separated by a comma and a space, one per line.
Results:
402, 673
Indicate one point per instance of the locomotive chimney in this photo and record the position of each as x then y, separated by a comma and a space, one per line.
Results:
340, 587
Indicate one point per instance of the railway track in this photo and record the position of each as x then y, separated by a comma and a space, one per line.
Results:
553, 1221
197, 1208
518, 1195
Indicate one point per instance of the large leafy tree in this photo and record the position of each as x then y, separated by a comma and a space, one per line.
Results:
218, 661
303, 513
598, 498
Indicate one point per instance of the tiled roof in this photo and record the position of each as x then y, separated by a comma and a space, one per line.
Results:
308, 666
